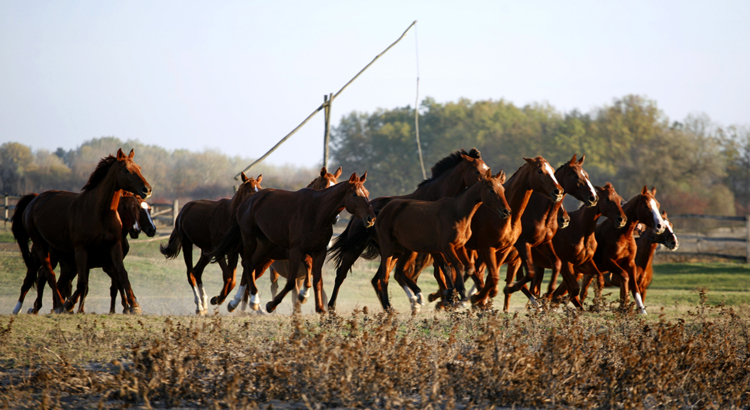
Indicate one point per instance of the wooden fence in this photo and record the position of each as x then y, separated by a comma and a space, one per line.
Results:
682, 237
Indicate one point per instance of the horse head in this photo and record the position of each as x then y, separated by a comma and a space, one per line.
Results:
492, 193
357, 200
542, 178
576, 181
646, 209
609, 205
472, 168
128, 175
668, 238
325, 179
563, 218
248, 187
144, 217
128, 210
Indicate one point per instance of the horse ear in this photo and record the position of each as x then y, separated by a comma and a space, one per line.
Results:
529, 160
363, 178
663, 214
243, 176
573, 160
353, 178
501, 176
337, 174
132, 154
488, 174
580, 161
260, 178
644, 191
653, 190
467, 158
120, 154
323, 172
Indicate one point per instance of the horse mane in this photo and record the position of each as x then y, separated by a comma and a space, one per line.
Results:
99, 173
446, 164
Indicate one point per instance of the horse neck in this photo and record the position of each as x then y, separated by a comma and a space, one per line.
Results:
632, 215
589, 218
518, 192
467, 202
446, 185
649, 246
235, 204
331, 201
104, 197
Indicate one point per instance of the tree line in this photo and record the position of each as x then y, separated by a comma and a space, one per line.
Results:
178, 174
696, 165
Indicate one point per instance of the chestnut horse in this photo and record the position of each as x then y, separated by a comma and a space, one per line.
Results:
203, 223
135, 215
617, 248
540, 224
276, 224
86, 224
493, 237
281, 268
450, 176
576, 245
440, 228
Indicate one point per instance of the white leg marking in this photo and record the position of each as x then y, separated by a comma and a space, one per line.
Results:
17, 308
304, 293
420, 299
237, 298
204, 299
473, 290
639, 303
533, 301
196, 293
410, 295
255, 301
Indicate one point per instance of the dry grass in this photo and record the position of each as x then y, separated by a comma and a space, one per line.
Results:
607, 359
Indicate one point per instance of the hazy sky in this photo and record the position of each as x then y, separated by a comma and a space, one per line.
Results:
239, 75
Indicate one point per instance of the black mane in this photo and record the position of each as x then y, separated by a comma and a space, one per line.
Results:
449, 162
99, 173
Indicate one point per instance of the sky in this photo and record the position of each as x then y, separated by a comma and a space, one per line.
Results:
237, 76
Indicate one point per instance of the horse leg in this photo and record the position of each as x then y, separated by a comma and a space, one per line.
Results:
228, 282
636, 288
380, 280
400, 276
296, 304
510, 274
451, 255
347, 262
423, 259
318, 259
624, 276
122, 277
295, 259
187, 255
307, 283
493, 260
439, 278
28, 282
274, 276
248, 249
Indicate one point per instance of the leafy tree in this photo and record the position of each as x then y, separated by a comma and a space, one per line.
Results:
14, 158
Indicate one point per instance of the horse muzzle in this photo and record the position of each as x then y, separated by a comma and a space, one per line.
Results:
504, 213
557, 195
370, 221
145, 192
592, 201
621, 221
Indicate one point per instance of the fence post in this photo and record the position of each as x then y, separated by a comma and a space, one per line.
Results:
747, 239
175, 211
6, 210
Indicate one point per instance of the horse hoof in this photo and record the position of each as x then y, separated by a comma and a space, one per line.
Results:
643, 312
432, 297
200, 312
31, 311
302, 300
231, 306
269, 307
256, 306
507, 290
136, 310
215, 300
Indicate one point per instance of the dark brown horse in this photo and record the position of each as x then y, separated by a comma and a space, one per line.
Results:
86, 224
440, 228
203, 223
304, 273
575, 246
275, 225
617, 248
135, 215
540, 224
450, 176
493, 237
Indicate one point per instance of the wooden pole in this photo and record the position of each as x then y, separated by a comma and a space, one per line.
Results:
322, 106
6, 210
175, 211
747, 237
327, 100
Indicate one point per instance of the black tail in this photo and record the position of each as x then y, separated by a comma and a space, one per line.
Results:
172, 249
231, 242
355, 241
19, 230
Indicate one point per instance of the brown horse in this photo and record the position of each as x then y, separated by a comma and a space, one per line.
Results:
450, 176
135, 215
304, 273
575, 246
276, 224
617, 248
440, 228
493, 237
85, 223
540, 224
203, 223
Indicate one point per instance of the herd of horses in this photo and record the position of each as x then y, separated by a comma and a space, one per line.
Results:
463, 220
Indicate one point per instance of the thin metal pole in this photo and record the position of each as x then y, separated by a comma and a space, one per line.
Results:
416, 110
322, 106
327, 99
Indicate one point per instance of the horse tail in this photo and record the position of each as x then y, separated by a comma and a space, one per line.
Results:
356, 241
172, 249
231, 242
19, 230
